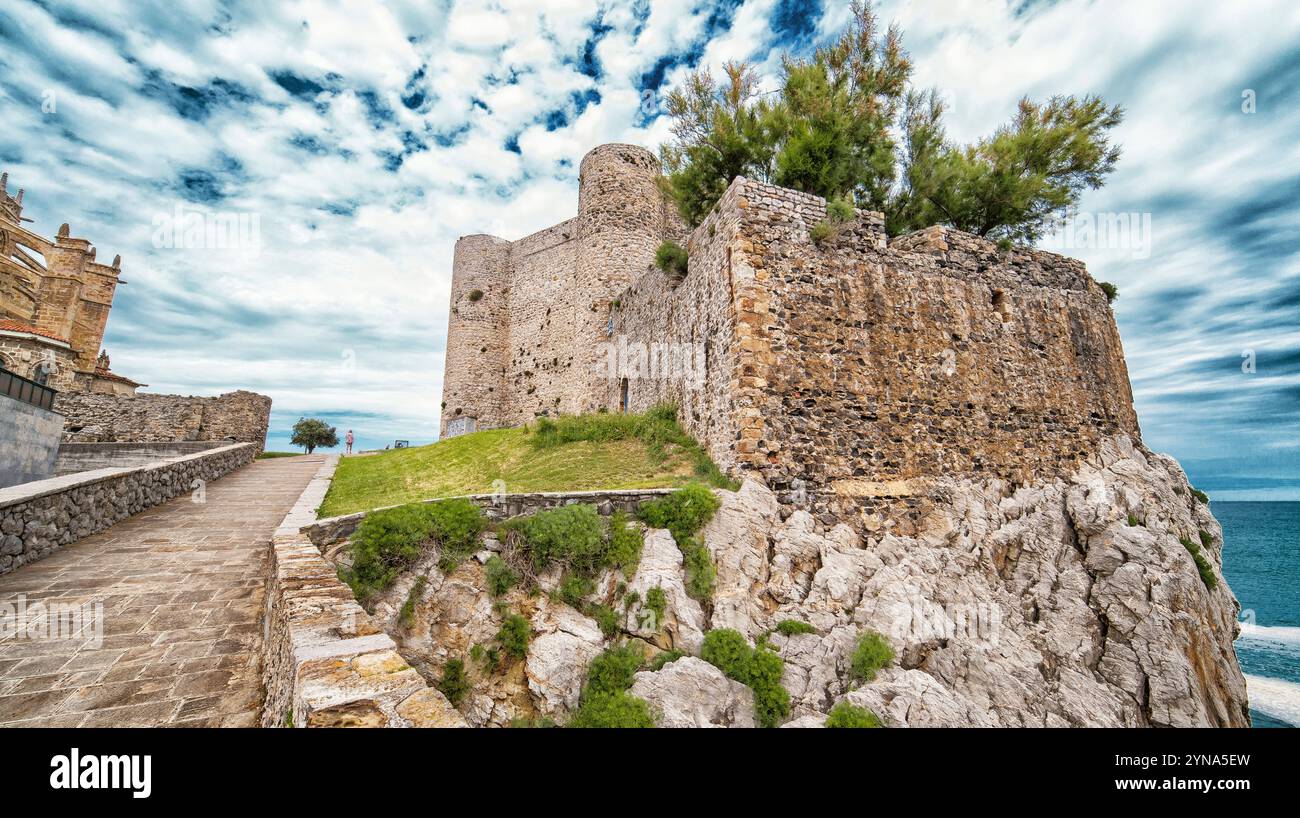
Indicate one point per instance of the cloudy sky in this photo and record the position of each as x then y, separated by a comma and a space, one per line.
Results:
356, 141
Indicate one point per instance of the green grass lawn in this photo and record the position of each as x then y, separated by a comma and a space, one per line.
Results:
468, 464
269, 455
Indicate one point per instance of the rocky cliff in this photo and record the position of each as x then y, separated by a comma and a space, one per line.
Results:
1074, 602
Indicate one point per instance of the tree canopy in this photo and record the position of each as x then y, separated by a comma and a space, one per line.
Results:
847, 125
312, 432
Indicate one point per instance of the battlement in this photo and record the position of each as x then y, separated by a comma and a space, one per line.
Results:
840, 371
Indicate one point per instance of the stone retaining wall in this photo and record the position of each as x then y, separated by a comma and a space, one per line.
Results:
78, 457
39, 517
326, 663
29, 438
331, 530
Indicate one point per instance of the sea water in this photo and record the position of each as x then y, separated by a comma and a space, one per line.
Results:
1261, 561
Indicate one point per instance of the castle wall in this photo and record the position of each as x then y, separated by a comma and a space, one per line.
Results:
846, 374
99, 418
856, 369
535, 342
540, 373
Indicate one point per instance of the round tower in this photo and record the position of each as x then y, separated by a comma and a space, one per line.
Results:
477, 324
620, 226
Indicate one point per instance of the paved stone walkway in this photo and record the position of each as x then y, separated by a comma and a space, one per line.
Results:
182, 587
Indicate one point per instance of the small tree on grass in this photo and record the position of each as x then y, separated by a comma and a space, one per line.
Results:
312, 432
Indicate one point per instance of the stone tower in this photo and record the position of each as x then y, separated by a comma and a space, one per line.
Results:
477, 332
529, 319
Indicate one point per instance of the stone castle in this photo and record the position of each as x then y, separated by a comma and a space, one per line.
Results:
54, 304
843, 372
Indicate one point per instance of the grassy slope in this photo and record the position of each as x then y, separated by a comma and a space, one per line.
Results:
468, 464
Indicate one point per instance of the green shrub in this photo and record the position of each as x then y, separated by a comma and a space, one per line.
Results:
1202, 496
728, 651
475, 295
605, 701
771, 699
823, 231
1203, 566
684, 513
850, 715
625, 544
672, 258
616, 710
657, 602
759, 668
572, 536
388, 542
840, 210
514, 635
407, 614
500, 578
606, 618
1132, 519
1207, 539
872, 653
574, 589
454, 684
665, 658
1111, 291
612, 670
790, 627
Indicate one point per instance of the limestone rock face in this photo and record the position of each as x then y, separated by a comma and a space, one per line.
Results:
661, 566
1069, 602
558, 659
736, 538
1038, 606
691, 692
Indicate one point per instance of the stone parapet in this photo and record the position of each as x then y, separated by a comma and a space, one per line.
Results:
330, 530
325, 662
39, 517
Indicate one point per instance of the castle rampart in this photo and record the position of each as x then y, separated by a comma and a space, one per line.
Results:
844, 372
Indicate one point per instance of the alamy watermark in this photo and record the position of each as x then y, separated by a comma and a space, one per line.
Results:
667, 361
186, 228
52, 620
1104, 231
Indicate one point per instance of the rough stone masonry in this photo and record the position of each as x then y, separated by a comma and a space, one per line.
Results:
842, 372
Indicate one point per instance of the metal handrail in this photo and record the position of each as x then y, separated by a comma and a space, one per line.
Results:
28, 391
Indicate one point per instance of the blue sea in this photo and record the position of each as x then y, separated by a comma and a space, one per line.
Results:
1261, 559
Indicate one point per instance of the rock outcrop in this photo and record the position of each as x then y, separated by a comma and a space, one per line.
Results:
1073, 602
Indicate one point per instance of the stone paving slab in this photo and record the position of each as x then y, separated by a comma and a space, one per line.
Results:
181, 586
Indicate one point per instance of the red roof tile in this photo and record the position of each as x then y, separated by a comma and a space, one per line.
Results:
18, 326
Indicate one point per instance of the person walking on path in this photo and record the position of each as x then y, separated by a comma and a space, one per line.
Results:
349, 440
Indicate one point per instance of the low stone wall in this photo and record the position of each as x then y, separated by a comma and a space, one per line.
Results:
327, 532
39, 517
29, 438
326, 663
97, 418
78, 457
